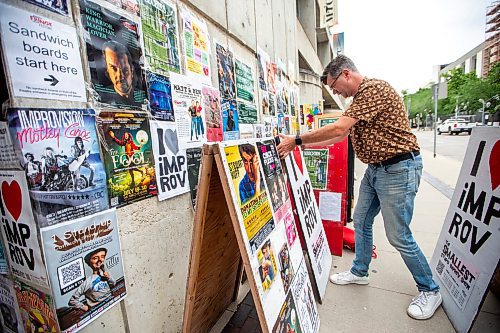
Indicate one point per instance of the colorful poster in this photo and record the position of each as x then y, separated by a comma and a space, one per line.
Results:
230, 120
36, 309
287, 319
246, 177
59, 151
310, 220
160, 97
160, 32
262, 64
8, 157
468, 249
128, 156
43, 58
10, 319
59, 6
85, 266
317, 167
196, 47
189, 111
19, 230
213, 113
194, 164
114, 54
225, 71
247, 113
244, 82
170, 161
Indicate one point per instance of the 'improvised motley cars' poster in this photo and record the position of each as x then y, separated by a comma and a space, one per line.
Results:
85, 266
114, 54
128, 156
59, 151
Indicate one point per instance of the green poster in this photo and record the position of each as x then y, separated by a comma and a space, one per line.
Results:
317, 167
247, 113
244, 82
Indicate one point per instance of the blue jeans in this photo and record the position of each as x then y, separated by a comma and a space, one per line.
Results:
391, 189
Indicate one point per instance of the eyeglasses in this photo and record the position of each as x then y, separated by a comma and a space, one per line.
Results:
333, 83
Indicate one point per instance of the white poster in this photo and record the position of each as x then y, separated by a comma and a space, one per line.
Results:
189, 112
42, 56
170, 160
8, 158
10, 319
468, 249
307, 311
310, 219
19, 230
330, 206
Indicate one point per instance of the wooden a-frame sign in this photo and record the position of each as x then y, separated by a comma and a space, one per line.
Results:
219, 254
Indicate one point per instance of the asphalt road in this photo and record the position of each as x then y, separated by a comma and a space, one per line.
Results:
453, 146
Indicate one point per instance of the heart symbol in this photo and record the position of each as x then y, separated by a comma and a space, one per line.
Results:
12, 198
495, 165
171, 140
297, 156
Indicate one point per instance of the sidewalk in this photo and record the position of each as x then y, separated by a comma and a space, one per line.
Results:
381, 305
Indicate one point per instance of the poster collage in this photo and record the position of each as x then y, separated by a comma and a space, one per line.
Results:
258, 185
151, 105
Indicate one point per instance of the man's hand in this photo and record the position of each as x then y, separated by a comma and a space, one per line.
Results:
287, 144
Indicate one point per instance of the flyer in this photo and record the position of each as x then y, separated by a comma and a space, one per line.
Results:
59, 151
244, 82
85, 266
262, 64
161, 36
114, 54
212, 106
128, 157
196, 47
194, 164
10, 318
59, 6
247, 113
307, 311
36, 309
189, 110
317, 167
160, 97
8, 157
170, 161
225, 72
230, 120
4, 268
130, 6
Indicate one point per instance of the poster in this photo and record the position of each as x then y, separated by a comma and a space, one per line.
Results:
59, 6
246, 131
468, 248
264, 103
212, 106
161, 36
252, 197
128, 156
317, 167
196, 47
10, 319
247, 113
230, 120
85, 266
310, 220
4, 268
271, 77
130, 6
160, 97
36, 309
170, 161
272, 104
43, 58
338, 43
194, 166
262, 65
8, 158
19, 230
288, 320
225, 72
244, 82
307, 311
114, 54
59, 151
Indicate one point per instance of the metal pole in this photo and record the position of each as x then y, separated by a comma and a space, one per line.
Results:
436, 88
482, 116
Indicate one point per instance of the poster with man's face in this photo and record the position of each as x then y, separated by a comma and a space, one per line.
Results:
115, 56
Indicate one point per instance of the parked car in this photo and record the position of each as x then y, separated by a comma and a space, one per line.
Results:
455, 126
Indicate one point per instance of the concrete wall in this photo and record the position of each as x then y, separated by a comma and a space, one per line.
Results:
156, 236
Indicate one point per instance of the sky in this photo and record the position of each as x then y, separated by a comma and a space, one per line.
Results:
400, 41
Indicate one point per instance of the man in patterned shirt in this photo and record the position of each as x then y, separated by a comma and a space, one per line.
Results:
378, 125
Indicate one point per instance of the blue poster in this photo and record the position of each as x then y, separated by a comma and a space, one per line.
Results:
230, 120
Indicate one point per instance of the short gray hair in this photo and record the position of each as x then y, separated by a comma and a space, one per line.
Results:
336, 66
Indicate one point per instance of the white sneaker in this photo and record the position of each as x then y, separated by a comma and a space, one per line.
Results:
347, 278
424, 305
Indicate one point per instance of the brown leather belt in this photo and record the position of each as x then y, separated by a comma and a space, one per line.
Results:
396, 159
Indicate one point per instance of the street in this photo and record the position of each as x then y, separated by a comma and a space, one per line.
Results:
452, 146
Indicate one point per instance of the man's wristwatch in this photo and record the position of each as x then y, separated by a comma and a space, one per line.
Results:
298, 140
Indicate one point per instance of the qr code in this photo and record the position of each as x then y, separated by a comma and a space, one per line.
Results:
440, 267
71, 273
114, 201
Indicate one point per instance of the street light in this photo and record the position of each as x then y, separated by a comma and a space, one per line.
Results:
486, 104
